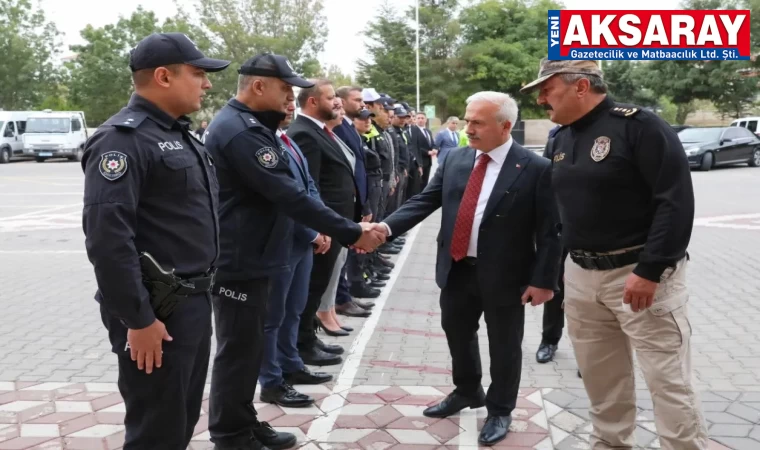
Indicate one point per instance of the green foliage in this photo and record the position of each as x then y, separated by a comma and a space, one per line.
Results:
28, 44
241, 29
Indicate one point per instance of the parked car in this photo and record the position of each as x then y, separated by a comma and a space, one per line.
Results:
678, 128
708, 147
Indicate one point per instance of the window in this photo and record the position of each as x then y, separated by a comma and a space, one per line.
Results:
75, 125
734, 133
48, 125
10, 130
752, 125
744, 133
21, 126
742, 124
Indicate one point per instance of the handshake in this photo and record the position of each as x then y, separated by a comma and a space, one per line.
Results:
373, 236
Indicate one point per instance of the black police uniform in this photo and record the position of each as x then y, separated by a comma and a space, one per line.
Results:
150, 187
258, 197
404, 165
621, 179
554, 315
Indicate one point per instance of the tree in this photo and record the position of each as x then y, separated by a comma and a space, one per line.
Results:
731, 93
100, 76
624, 81
240, 29
391, 49
439, 34
503, 42
337, 76
28, 44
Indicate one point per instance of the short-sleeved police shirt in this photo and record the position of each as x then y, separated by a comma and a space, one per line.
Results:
149, 187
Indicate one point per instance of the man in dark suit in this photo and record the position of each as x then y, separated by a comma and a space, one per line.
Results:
498, 249
333, 174
422, 140
447, 139
281, 366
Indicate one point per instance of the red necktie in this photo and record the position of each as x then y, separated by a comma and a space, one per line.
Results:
460, 240
286, 140
330, 133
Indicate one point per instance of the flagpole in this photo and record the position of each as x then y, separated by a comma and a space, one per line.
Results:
417, 17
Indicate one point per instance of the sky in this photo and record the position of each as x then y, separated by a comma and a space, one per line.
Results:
345, 20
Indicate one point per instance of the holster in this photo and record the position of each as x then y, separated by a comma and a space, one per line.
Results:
167, 289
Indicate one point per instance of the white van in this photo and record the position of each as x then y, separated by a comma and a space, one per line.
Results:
12, 126
55, 134
750, 123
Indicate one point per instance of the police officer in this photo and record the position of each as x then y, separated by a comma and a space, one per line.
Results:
626, 201
149, 186
258, 195
405, 159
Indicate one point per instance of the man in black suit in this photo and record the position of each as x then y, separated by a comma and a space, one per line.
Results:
498, 249
333, 173
423, 142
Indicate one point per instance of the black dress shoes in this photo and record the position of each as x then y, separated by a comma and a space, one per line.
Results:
454, 402
334, 349
351, 309
285, 395
306, 376
545, 352
317, 357
364, 305
275, 440
252, 444
579, 373
363, 291
494, 430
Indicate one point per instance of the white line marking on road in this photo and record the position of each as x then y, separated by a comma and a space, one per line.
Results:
322, 426
43, 211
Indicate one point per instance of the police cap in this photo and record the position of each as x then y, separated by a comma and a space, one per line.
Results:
164, 49
387, 103
401, 112
548, 68
366, 114
275, 66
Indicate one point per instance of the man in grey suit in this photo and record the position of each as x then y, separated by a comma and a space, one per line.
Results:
498, 249
447, 139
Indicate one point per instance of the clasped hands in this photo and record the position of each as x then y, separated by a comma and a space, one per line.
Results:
373, 236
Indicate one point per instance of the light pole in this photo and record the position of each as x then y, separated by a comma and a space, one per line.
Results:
417, 17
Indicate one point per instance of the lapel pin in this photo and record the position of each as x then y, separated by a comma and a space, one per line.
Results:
517, 165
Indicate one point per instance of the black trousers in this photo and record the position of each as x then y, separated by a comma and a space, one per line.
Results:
163, 407
320, 278
426, 166
461, 307
554, 315
413, 185
239, 317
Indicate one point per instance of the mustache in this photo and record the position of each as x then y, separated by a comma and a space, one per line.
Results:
548, 107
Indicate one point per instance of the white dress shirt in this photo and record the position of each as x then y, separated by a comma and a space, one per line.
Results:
498, 155
319, 123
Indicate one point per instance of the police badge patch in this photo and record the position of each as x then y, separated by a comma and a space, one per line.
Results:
113, 165
601, 148
267, 157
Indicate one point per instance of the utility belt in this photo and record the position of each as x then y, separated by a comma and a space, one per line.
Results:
167, 289
605, 260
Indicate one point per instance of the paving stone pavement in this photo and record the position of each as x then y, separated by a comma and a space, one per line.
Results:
57, 374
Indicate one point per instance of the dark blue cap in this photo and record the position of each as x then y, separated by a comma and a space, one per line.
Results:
387, 103
164, 49
401, 112
275, 66
366, 114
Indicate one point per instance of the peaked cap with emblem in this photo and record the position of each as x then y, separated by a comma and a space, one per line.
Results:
548, 68
165, 49
275, 66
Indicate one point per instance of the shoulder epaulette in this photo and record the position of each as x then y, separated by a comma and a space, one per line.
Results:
624, 110
127, 119
250, 120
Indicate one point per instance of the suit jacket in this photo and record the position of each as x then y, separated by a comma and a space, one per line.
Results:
518, 243
444, 142
348, 134
329, 168
302, 233
420, 144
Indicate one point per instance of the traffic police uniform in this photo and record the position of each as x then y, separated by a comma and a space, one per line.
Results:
404, 159
259, 198
625, 196
149, 186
